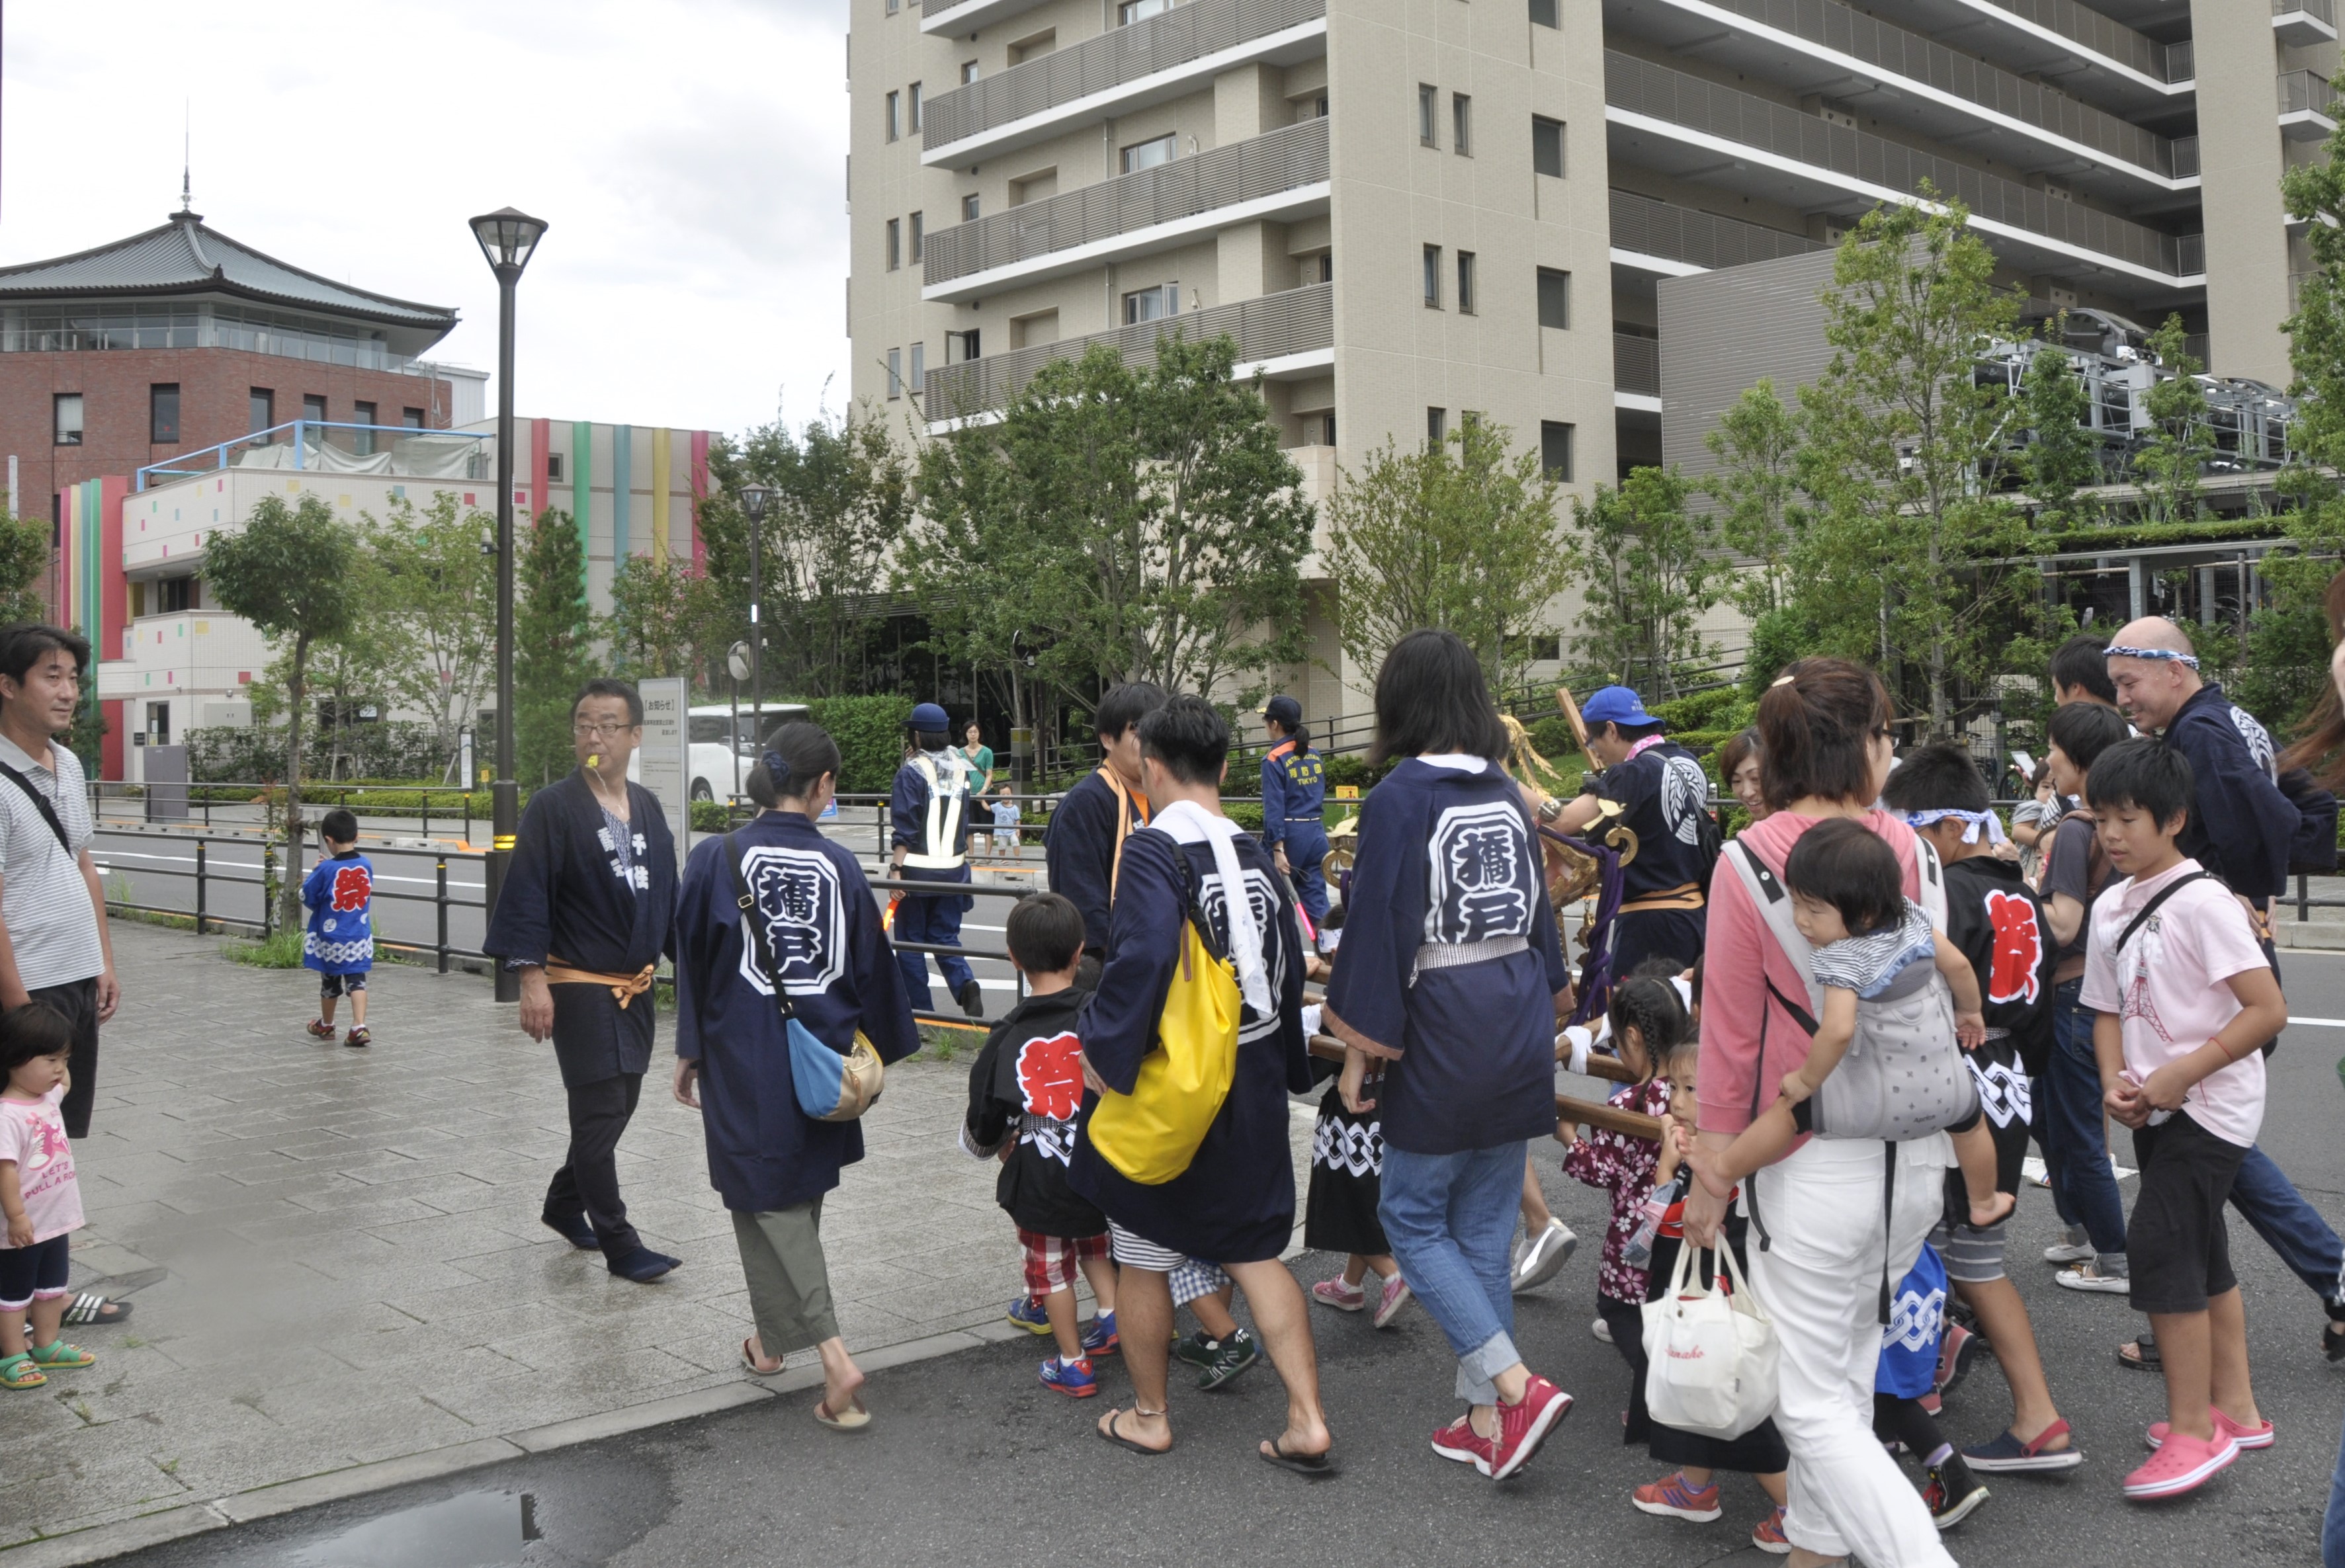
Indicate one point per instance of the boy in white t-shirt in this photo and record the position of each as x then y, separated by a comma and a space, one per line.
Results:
2183, 1001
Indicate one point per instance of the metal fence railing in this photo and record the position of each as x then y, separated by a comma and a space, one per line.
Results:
1896, 52
1652, 227
2320, 10
2307, 92
1276, 161
2105, 36
1295, 321
1641, 87
216, 805
1161, 43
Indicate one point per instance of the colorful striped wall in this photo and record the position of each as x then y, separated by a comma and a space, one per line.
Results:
699, 494
582, 483
623, 493
91, 596
663, 466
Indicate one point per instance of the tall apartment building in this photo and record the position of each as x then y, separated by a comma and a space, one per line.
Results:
1409, 211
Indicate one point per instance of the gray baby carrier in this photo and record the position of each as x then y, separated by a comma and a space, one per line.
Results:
1903, 1076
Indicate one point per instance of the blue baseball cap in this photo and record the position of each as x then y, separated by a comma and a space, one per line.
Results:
1286, 710
1616, 706
929, 718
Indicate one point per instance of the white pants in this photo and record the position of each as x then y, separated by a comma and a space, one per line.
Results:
1820, 1276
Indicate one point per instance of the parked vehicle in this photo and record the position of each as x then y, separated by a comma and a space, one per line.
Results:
721, 756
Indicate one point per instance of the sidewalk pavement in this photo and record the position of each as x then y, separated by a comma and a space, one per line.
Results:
356, 1268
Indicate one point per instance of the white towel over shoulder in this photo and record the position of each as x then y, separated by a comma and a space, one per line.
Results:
1190, 823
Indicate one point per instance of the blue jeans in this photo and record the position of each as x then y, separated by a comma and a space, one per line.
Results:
2268, 1201
1306, 846
920, 918
1449, 1219
2075, 1150
2332, 1526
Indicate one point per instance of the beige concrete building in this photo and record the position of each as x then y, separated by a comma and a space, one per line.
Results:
1405, 211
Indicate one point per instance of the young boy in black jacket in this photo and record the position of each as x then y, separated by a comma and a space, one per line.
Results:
1024, 1094
2003, 927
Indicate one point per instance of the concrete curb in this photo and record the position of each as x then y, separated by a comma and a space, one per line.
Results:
104, 1540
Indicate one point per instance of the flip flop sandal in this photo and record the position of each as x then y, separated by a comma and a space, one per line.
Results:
855, 1418
756, 1370
2332, 1339
19, 1372
1316, 1466
2145, 1358
1113, 1433
92, 1308
57, 1355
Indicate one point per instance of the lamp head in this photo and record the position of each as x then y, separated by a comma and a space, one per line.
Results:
753, 501
507, 238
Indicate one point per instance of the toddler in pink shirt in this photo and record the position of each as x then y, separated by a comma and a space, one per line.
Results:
40, 1199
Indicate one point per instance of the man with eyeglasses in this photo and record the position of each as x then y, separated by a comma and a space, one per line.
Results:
588, 908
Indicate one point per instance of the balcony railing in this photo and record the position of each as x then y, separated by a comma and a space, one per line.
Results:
1636, 364
1266, 328
1280, 160
1641, 87
1652, 228
2302, 92
2105, 36
400, 451
1895, 52
1163, 41
2320, 10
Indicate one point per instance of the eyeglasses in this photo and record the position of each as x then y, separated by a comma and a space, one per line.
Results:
593, 732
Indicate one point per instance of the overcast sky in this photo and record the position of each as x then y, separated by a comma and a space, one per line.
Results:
688, 154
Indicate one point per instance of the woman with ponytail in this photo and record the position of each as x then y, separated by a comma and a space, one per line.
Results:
772, 1162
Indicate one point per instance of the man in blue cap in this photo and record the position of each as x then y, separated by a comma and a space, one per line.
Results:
929, 809
1663, 796
1294, 793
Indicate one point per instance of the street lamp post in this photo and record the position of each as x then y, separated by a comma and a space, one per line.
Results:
754, 498
507, 238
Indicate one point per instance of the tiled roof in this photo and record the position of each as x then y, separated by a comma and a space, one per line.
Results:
183, 257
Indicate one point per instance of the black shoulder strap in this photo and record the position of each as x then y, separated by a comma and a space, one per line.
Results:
48, 813
2150, 908
756, 931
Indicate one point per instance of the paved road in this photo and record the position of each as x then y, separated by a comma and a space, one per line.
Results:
969, 1462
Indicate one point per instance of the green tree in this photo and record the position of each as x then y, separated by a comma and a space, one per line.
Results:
1898, 561
655, 613
1756, 485
1647, 571
2169, 464
553, 644
2062, 454
289, 573
1460, 536
437, 610
24, 554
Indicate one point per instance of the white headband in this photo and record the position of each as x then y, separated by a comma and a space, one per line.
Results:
1978, 821
2119, 651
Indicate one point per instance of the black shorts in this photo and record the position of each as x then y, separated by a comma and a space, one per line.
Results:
76, 1001
2174, 1239
34, 1272
336, 985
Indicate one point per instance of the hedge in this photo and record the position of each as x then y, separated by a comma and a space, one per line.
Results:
871, 735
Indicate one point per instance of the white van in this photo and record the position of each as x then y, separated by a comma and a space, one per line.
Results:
719, 770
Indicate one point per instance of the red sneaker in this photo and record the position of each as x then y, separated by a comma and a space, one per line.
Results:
1460, 1441
1524, 1425
1674, 1497
1769, 1537
2182, 1463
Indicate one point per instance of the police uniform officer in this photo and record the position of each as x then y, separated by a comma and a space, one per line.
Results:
1294, 796
928, 812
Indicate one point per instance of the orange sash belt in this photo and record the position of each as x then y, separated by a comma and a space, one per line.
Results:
624, 989
1685, 896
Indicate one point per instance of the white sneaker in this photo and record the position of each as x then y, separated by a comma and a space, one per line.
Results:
2068, 1253
1543, 1255
1601, 1329
2087, 1276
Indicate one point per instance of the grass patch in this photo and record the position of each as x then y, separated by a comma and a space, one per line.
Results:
280, 950
150, 917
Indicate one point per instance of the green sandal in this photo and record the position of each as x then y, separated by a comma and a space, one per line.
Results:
19, 1372
58, 1356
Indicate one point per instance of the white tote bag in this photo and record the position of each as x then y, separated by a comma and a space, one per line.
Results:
1711, 1356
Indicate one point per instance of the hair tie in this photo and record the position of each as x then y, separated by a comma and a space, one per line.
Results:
776, 769
1779, 681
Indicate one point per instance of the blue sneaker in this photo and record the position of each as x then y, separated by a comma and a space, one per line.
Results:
1028, 1314
1073, 1379
1100, 1339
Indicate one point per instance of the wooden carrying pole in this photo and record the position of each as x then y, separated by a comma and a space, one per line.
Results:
1567, 1108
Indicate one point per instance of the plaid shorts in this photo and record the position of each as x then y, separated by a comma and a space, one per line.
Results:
1189, 1277
1053, 1262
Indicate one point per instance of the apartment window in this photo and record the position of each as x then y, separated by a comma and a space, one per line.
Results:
895, 115
963, 343
1148, 154
1546, 13
1132, 11
968, 208
1547, 147
410, 419
260, 408
895, 372
912, 102
68, 407
894, 245
1555, 450
1151, 304
917, 239
554, 468
362, 442
1466, 292
163, 413
1546, 649
1425, 96
1461, 125
313, 409
1432, 279
1326, 267
174, 595
1437, 426
920, 368
968, 71
1554, 298
891, 7
1327, 430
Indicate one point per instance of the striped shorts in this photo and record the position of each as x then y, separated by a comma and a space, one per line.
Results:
1971, 1257
1189, 1277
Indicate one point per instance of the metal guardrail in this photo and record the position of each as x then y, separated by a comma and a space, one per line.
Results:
1261, 165
1895, 51
1265, 327
1641, 87
1636, 364
2303, 92
305, 436
1652, 227
2105, 36
2318, 10
454, 804
1163, 41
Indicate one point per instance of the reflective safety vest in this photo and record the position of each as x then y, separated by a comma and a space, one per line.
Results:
947, 798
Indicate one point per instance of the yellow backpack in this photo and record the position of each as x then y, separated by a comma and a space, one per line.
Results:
1152, 1134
